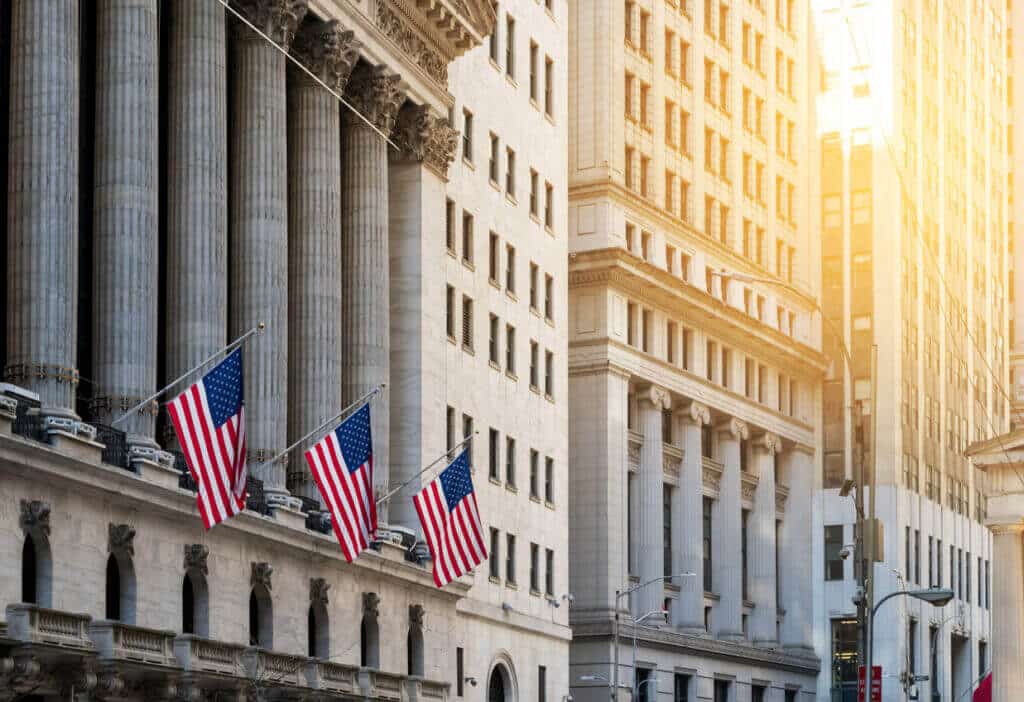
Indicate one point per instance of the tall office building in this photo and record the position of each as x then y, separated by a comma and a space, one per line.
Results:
694, 396
912, 121
170, 179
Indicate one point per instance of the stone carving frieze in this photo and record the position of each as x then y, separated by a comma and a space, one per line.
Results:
377, 95
121, 538
35, 517
712, 479
371, 603
195, 558
318, 588
427, 56
426, 137
261, 574
328, 50
416, 615
278, 19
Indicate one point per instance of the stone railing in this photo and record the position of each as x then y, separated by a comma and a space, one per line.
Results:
332, 677
29, 623
195, 654
672, 459
117, 641
380, 685
420, 690
274, 668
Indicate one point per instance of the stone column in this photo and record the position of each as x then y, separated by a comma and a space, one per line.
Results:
761, 549
259, 226
1008, 604
728, 516
797, 580
417, 175
197, 188
125, 215
42, 203
651, 485
314, 221
365, 282
688, 521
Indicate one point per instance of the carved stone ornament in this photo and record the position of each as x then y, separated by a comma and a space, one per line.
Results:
657, 396
329, 51
425, 137
416, 615
261, 573
735, 427
424, 54
769, 442
318, 588
121, 538
35, 517
376, 94
195, 558
711, 479
698, 413
109, 683
278, 19
77, 683
371, 603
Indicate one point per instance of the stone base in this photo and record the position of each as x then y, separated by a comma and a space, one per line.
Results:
289, 515
392, 551
76, 446
162, 475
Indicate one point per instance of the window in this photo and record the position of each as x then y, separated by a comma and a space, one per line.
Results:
450, 312
492, 165
510, 46
549, 480
549, 572
467, 435
680, 687
722, 691
549, 295
510, 268
120, 588
449, 226
467, 323
510, 559
534, 274
533, 192
549, 87
492, 454
261, 620
533, 71
317, 633
493, 44
666, 530
510, 349
467, 135
833, 545
494, 560
510, 172
534, 474
549, 206
744, 552
629, 175
707, 545
628, 96
549, 374
534, 370
534, 568
493, 259
467, 237
460, 672
493, 340
542, 683
450, 429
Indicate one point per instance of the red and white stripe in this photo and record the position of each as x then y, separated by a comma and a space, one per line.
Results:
455, 538
215, 457
348, 495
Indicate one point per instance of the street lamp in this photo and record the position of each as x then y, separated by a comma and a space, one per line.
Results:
619, 594
935, 596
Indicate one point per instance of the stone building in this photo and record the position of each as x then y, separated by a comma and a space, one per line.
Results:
172, 178
695, 355
912, 119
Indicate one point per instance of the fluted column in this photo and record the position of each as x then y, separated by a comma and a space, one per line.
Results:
761, 550
365, 280
796, 581
125, 214
1008, 604
314, 223
259, 226
650, 519
42, 202
688, 525
728, 620
197, 188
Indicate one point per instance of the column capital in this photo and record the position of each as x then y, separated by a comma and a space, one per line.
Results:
328, 50
696, 413
736, 427
1006, 528
376, 94
656, 395
278, 19
426, 137
769, 442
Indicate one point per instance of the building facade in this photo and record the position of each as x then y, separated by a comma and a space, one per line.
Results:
695, 359
912, 120
176, 174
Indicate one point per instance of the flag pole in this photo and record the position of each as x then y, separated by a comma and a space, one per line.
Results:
258, 329
433, 463
328, 422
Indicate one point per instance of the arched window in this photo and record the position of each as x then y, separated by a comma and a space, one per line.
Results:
120, 589
414, 645
496, 686
369, 642
318, 639
194, 604
501, 683
36, 570
261, 618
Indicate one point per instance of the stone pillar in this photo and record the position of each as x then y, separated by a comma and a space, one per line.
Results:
796, 581
651, 485
125, 215
688, 521
728, 621
259, 226
417, 175
1008, 604
761, 549
197, 189
314, 221
365, 281
42, 203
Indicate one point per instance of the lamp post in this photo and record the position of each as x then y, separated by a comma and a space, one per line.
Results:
619, 594
936, 596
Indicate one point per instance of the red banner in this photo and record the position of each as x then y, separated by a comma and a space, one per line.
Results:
984, 691
876, 683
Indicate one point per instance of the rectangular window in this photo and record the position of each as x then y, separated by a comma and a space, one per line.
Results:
549, 206
534, 568
833, 545
510, 172
494, 559
449, 225
467, 434
542, 684
533, 71
534, 273
680, 687
549, 87
686, 345
670, 342
549, 373
449, 312
534, 474
534, 362
467, 135
493, 339
492, 164
707, 545
467, 323
493, 258
549, 480
744, 550
510, 461
460, 672
510, 46
549, 298
666, 530
510, 349
492, 454
917, 556
549, 572
510, 268
450, 429
467, 237
534, 183
510, 559
493, 43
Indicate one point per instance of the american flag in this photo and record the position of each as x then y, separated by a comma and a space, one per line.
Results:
342, 465
210, 424
451, 521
